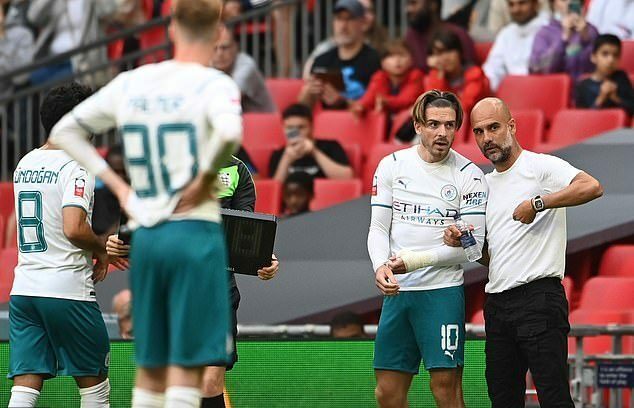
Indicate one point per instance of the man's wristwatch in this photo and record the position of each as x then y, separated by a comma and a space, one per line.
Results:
538, 204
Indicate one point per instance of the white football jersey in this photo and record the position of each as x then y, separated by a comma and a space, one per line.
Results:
424, 197
44, 182
165, 113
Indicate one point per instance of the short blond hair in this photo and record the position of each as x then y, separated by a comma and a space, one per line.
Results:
198, 18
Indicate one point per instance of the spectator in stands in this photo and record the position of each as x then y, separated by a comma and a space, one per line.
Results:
106, 211
298, 192
244, 71
16, 47
122, 306
449, 72
318, 158
343, 73
396, 86
423, 17
512, 47
498, 15
347, 325
64, 25
565, 44
375, 36
613, 17
608, 86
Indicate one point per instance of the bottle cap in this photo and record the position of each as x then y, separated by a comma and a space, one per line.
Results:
456, 216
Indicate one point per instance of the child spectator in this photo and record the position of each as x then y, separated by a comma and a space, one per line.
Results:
608, 86
298, 193
396, 86
450, 72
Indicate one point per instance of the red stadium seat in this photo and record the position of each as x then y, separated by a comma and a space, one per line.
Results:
568, 285
572, 126
269, 196
11, 237
478, 317
6, 198
482, 51
598, 344
284, 91
620, 290
627, 56
472, 152
377, 153
632, 77
346, 129
263, 130
8, 262
330, 192
3, 231
398, 121
530, 125
353, 151
618, 260
261, 156
549, 93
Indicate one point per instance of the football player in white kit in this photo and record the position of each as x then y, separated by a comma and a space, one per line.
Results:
415, 196
55, 325
180, 120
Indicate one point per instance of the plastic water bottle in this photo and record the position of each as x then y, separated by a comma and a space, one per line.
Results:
469, 243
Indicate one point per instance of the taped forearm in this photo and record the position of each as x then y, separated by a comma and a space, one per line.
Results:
441, 256
70, 136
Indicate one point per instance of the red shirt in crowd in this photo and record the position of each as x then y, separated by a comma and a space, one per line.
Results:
472, 87
396, 99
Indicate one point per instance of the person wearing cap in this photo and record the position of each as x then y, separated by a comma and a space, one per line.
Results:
342, 74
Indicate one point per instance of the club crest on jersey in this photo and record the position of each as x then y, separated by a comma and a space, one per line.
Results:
80, 184
449, 192
375, 185
225, 179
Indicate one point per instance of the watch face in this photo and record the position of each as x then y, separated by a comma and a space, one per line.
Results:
539, 204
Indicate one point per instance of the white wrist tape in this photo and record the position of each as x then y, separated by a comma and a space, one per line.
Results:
416, 260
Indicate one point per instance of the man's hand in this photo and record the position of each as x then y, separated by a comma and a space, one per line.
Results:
269, 272
115, 247
356, 109
306, 147
397, 265
386, 281
524, 212
293, 149
100, 269
452, 235
568, 26
330, 95
315, 86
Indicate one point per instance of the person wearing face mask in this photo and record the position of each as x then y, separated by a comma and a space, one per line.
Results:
565, 43
449, 72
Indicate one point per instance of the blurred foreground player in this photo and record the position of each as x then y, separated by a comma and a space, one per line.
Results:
55, 325
180, 120
237, 193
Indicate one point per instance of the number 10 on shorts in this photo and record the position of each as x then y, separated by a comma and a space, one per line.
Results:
449, 340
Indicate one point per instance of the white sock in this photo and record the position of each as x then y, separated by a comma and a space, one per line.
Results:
23, 397
147, 399
182, 397
97, 396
